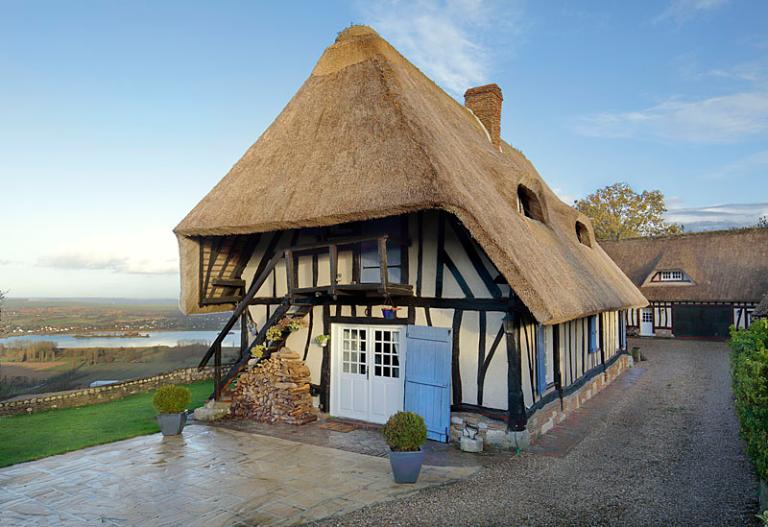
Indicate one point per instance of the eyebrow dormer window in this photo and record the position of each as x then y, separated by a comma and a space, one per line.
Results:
582, 233
528, 204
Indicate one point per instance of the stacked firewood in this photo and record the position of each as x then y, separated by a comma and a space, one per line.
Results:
275, 390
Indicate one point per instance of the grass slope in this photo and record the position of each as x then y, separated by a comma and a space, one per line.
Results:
29, 437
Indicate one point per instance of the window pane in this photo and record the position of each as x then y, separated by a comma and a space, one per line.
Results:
369, 254
395, 275
393, 254
370, 275
396, 373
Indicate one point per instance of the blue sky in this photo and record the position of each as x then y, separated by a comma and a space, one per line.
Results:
117, 117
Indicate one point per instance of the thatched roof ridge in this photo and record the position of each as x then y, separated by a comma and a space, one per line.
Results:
367, 136
728, 266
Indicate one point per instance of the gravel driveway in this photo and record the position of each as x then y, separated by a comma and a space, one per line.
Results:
666, 452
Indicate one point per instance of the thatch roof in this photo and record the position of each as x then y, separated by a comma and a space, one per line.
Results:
761, 311
724, 266
368, 135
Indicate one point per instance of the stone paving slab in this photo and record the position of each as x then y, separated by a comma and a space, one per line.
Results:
206, 477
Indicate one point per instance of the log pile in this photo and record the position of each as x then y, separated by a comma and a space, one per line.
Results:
275, 390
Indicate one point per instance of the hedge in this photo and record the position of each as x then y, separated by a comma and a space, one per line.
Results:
749, 368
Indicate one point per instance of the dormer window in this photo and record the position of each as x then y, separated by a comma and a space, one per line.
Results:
671, 276
582, 233
528, 204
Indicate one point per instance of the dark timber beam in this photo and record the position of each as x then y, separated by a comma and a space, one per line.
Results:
467, 304
516, 419
556, 358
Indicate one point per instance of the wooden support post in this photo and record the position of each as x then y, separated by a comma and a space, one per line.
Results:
290, 271
243, 333
516, 419
333, 256
383, 271
217, 372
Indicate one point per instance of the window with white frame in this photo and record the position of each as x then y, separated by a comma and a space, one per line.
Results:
647, 315
671, 276
353, 349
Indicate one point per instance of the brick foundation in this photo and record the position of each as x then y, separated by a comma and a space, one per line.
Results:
495, 434
553, 413
102, 394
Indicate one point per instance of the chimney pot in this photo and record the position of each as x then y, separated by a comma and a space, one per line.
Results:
485, 103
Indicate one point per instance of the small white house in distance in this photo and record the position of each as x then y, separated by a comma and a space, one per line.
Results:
698, 284
374, 188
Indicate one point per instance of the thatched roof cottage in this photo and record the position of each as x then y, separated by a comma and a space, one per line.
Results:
699, 284
375, 188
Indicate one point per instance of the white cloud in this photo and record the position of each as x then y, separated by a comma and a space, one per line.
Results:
680, 11
445, 38
722, 119
117, 264
718, 216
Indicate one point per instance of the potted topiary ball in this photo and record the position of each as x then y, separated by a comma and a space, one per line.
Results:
405, 432
171, 404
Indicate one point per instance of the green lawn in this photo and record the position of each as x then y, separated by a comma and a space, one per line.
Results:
28, 437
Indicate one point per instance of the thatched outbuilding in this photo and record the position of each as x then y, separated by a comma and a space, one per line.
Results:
374, 187
761, 310
699, 284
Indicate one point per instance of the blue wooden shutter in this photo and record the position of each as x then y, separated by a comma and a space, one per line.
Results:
428, 378
593, 333
541, 360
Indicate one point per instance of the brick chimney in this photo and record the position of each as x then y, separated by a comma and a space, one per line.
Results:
485, 103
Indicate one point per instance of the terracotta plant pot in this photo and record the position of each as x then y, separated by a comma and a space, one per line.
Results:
406, 465
171, 424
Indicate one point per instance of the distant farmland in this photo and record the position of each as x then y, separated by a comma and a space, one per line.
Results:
48, 316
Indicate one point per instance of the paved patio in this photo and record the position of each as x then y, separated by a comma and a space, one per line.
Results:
209, 476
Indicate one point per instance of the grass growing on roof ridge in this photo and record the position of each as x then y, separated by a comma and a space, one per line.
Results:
29, 437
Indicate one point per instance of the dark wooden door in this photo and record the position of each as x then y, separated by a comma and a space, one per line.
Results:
701, 321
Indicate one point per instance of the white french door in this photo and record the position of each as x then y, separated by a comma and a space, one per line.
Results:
367, 377
646, 322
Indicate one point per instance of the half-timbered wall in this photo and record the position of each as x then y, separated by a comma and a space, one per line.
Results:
662, 315
456, 286
742, 315
441, 261
576, 359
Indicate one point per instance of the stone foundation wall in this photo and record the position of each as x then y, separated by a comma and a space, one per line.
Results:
102, 394
494, 432
545, 418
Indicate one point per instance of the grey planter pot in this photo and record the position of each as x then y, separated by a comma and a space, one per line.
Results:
406, 465
172, 424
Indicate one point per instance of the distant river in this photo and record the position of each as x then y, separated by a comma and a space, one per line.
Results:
156, 338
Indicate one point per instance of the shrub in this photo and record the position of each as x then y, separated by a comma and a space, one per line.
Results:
749, 369
405, 432
171, 399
